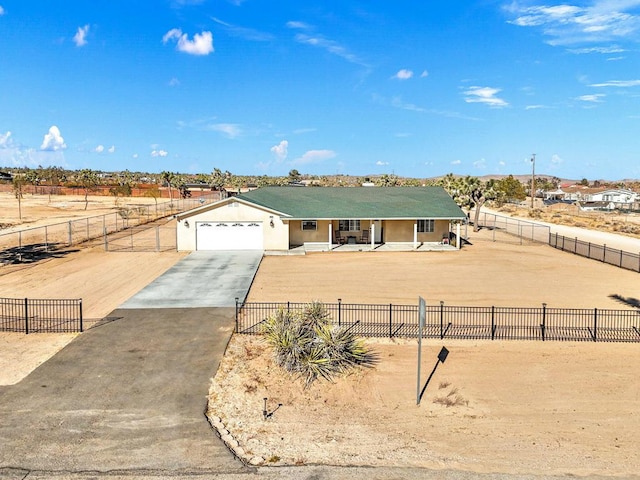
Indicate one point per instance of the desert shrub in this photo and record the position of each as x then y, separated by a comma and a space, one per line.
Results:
306, 344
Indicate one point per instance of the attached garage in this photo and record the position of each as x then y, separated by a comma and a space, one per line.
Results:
229, 236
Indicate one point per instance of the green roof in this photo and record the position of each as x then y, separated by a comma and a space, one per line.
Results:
312, 203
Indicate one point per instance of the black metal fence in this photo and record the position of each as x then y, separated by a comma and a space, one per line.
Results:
30, 315
602, 253
461, 322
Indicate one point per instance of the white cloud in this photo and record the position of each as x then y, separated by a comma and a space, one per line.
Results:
556, 160
80, 38
5, 140
319, 41
534, 107
135, 155
2, 12
99, 149
603, 20
403, 74
481, 164
456, 162
300, 131
603, 50
112, 149
281, 150
298, 25
53, 141
174, 82
244, 32
618, 83
595, 98
314, 156
159, 153
202, 43
486, 95
380, 163
424, 74
231, 130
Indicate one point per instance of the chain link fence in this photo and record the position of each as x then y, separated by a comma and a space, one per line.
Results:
33, 243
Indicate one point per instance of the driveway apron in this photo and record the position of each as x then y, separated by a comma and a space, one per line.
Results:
128, 394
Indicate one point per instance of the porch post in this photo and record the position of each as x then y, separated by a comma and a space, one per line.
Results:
330, 234
415, 235
373, 235
458, 236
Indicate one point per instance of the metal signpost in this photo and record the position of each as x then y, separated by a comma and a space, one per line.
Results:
422, 312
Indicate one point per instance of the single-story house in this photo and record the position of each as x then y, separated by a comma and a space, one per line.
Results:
282, 218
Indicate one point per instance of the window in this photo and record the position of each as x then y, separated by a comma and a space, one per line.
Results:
426, 226
309, 225
349, 225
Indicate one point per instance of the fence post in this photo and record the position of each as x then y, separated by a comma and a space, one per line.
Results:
26, 316
441, 319
157, 238
544, 320
621, 252
70, 238
595, 324
575, 246
81, 325
390, 320
106, 240
46, 239
237, 315
493, 322
589, 250
339, 311
604, 252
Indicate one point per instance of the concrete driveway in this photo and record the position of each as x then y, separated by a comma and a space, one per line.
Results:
130, 393
202, 279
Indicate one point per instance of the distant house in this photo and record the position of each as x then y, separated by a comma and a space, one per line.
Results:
281, 218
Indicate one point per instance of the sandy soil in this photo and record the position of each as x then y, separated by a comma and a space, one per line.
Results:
508, 407
504, 407
39, 210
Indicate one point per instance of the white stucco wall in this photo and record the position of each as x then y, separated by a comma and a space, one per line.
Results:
275, 238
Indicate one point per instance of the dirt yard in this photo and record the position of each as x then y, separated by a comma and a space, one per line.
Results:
510, 407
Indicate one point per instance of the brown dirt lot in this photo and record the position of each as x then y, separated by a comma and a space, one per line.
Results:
518, 407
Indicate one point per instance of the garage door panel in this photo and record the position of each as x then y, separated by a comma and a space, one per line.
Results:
229, 236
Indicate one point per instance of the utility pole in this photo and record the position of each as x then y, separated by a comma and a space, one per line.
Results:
533, 179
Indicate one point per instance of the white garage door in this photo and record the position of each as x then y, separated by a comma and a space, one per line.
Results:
229, 236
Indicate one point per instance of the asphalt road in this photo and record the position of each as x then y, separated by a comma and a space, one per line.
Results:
127, 395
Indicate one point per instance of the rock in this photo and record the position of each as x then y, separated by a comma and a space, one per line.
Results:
256, 461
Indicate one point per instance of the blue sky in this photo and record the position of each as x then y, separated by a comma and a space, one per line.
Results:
415, 88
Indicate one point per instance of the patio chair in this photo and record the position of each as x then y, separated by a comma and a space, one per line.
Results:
340, 240
364, 238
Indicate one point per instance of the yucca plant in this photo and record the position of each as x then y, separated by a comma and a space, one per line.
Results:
306, 344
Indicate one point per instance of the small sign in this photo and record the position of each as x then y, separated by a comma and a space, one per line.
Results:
442, 356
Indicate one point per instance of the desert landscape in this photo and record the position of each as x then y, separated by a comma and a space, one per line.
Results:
506, 407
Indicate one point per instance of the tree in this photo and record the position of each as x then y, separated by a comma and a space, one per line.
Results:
18, 185
510, 189
170, 179
471, 193
386, 180
54, 177
584, 182
88, 179
294, 176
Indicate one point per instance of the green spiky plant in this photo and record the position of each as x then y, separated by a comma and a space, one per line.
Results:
306, 344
